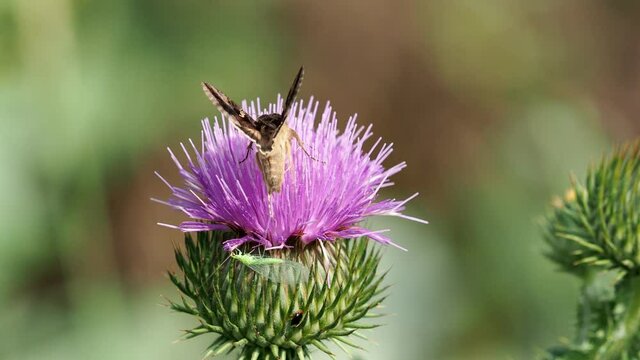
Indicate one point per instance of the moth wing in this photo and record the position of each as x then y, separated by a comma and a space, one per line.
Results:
239, 118
293, 92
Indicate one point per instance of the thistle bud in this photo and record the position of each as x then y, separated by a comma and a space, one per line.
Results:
264, 319
593, 232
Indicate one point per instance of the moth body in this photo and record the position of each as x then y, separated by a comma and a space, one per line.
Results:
273, 163
269, 132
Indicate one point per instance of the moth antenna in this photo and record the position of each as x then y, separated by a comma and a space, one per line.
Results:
295, 135
247, 154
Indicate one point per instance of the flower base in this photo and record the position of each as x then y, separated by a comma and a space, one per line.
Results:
269, 320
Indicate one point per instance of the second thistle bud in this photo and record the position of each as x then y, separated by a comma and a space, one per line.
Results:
596, 224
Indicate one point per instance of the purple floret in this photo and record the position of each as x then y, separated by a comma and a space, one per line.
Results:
320, 200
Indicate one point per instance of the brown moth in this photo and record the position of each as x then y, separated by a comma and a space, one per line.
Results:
269, 133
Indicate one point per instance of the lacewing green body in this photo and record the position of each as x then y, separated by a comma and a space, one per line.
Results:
274, 269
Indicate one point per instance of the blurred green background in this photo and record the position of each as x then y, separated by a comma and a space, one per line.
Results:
492, 104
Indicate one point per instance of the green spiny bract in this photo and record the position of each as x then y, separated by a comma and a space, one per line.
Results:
597, 225
254, 315
594, 233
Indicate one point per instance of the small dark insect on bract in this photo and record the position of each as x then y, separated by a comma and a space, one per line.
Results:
296, 320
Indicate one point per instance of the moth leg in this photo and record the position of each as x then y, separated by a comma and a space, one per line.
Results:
295, 135
247, 155
288, 157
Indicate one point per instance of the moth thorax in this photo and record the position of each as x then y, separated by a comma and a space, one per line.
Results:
268, 125
272, 121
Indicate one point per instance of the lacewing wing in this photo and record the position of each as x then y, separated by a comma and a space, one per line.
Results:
275, 269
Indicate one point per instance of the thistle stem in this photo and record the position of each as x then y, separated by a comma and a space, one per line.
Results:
618, 340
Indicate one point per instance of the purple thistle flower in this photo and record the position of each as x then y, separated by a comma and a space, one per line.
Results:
320, 200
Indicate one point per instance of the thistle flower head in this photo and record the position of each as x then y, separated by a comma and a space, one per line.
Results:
312, 287
323, 199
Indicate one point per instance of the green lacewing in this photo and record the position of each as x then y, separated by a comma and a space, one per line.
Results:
275, 269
